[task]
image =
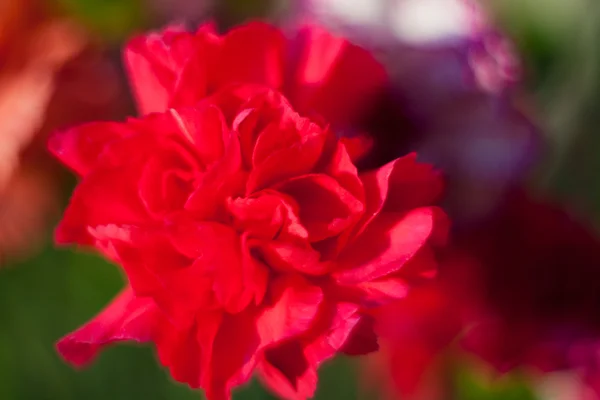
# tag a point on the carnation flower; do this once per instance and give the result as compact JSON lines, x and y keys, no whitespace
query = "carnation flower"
{"x":248,"y":236}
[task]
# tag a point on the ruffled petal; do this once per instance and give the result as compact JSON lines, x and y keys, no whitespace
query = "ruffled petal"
{"x":92,"y":205}
{"x":299,"y":158}
{"x":154,"y":62}
{"x":295,"y":306}
{"x":225,"y":179}
{"x":388,"y":243}
{"x":326,"y":208}
{"x":289,"y":369}
{"x":400,"y":185}
{"x":217,"y":251}
{"x":205,"y":127}
{"x":289,"y":257}
{"x":260,"y":48}
{"x":188,"y":352}
{"x":79,"y":148}
{"x":127,"y":318}
{"x":334,"y":77}
{"x":268,"y":215}
{"x":286,"y":371}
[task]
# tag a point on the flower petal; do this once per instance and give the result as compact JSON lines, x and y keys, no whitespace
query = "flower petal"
{"x":153,"y":63}
{"x":79,"y":148}
{"x":326,"y":208}
{"x":344,"y":171}
{"x":290,"y":368}
{"x":388,"y":243}
{"x":362,"y":339}
{"x":233,"y":357}
{"x":287,"y":257}
{"x":400,"y":185}
{"x":225,"y":179}
{"x":92,"y":205}
{"x":204,"y":125}
{"x":188,"y":352}
{"x":299,"y":158}
{"x":286,"y":371}
{"x":334,"y":77}
{"x":127,"y":318}
{"x":217,"y":251}
{"x":383,"y":291}
{"x":193,"y":82}
{"x":412,"y":184}
{"x":268,"y":215}
{"x":295,"y":306}
{"x":260,"y":48}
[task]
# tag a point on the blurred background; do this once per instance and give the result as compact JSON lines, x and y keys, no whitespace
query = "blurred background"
{"x":60,"y":65}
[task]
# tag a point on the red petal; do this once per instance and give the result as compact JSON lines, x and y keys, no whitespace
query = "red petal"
{"x":399,"y":186}
{"x":255,"y":273}
{"x":126,"y":318}
{"x":185,"y":292}
{"x":267,"y":215}
{"x":253,"y":53}
{"x":334,"y":77}
{"x":149,"y":136}
{"x":287,"y":257}
{"x":218,"y":253}
{"x":218,"y":278}
{"x":363,"y":339}
{"x":290,"y":368}
{"x":224,"y":179}
{"x":326,"y":208}
{"x":298,"y":159}
{"x":383,"y":291}
{"x":376,"y":186}
{"x":387,"y":244}
{"x":204,"y":126}
{"x":147,"y":255}
{"x":194,"y":76}
{"x":153,"y":63}
{"x":412,"y":184}
{"x":295,"y":306}
{"x":180,"y":351}
{"x":285,"y":127}
{"x":331,"y":332}
{"x":79,"y":148}
{"x":344,"y":171}
{"x":233,"y":358}
{"x":358,"y":146}
{"x":188,"y":352}
{"x":287,"y":373}
{"x":102,"y":198}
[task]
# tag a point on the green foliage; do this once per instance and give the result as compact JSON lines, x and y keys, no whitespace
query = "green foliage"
{"x":471,"y":384}
{"x":113,"y":20}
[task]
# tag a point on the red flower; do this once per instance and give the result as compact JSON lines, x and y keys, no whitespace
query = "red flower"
{"x":248,"y":237}
{"x":523,"y":290}
{"x":537,"y":268}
